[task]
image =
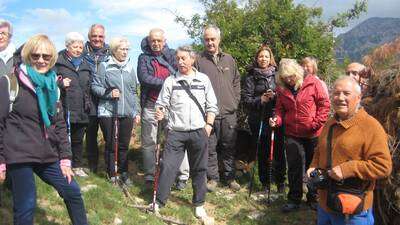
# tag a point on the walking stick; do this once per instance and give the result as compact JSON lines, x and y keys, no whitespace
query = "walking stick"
{"x":270,"y":160}
{"x":68,"y":114}
{"x":253,"y":169}
{"x":157,"y":159}
{"x":115,"y":139}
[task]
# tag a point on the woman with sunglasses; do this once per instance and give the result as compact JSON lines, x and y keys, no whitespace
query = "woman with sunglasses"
{"x":33,"y":135}
{"x":74,"y":72}
{"x":116,"y":86}
{"x":302,"y":107}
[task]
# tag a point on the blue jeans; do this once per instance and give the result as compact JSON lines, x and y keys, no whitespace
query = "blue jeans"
{"x":24,"y":191}
{"x":363,"y":218}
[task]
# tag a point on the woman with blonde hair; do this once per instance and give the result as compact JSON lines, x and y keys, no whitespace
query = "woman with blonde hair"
{"x":302,"y":107}
{"x":33,"y":135}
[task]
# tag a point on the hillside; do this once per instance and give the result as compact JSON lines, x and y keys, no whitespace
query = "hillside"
{"x":364,"y":37}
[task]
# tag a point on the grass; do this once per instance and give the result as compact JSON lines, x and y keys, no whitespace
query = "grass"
{"x":105,"y":204}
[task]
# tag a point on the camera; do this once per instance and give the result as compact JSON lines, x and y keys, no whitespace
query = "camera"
{"x":318,"y":179}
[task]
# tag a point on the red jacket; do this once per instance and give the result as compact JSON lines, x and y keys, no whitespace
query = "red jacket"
{"x":305,"y":114}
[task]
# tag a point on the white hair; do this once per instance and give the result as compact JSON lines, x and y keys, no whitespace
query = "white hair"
{"x":6,"y":23}
{"x":72,"y":37}
{"x":354,"y":83}
{"x":116,"y":42}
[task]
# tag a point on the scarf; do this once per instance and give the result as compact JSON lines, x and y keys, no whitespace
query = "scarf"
{"x":46,"y":92}
{"x":7,"y":53}
{"x":76,"y":61}
{"x":270,"y":71}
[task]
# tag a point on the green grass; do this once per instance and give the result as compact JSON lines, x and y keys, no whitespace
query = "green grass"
{"x":106,"y":202}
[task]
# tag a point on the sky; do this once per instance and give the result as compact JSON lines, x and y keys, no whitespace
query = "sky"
{"x":134,"y":18}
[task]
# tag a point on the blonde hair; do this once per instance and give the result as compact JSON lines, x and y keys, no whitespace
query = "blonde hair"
{"x":36,"y":42}
{"x":313,"y":62}
{"x":116,"y":42}
{"x":287,"y":68}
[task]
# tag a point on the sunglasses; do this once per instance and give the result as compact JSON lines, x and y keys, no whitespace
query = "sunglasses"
{"x":45,"y":57}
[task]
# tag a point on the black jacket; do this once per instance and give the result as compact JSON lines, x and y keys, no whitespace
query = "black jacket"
{"x":23,"y":137}
{"x":255,"y":84}
{"x":75,"y":98}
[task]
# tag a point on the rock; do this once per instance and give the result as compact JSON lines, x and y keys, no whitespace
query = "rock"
{"x":117,"y":221}
{"x":88,"y":187}
{"x":255,"y":215}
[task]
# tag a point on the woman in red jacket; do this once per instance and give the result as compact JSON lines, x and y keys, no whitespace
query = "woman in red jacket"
{"x":302,"y":107}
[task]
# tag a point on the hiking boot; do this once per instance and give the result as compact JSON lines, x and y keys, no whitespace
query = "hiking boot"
{"x":181,"y":184}
{"x":280,"y":188}
{"x":290,"y":207}
{"x":233,"y":185}
{"x":79,"y":172}
{"x":125,"y":179}
{"x":212,"y":185}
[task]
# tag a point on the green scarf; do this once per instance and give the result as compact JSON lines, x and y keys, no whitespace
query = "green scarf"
{"x":46,"y":92}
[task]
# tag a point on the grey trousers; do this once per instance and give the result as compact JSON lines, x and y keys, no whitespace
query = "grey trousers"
{"x":195,"y":143}
{"x":149,"y":138}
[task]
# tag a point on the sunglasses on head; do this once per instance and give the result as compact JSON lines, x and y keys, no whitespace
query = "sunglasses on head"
{"x":45,"y":57}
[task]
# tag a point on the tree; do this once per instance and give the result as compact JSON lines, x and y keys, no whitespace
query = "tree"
{"x":292,"y":31}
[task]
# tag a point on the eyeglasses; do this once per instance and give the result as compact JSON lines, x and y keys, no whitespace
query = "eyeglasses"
{"x":352,"y":72}
{"x":45,"y":57}
{"x":4,"y":34}
{"x":97,"y":36}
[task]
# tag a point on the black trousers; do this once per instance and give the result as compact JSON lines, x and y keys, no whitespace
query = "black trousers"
{"x":264,"y":147}
{"x":195,"y":142}
{"x":77,"y":133}
{"x":221,"y":148}
{"x":92,"y":148}
{"x":299,"y":153}
{"x":124,"y":137}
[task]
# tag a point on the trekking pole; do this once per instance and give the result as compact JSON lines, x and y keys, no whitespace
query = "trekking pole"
{"x":253,"y":169}
{"x":115,"y":139}
{"x":68,"y":116}
{"x":270,"y":160}
{"x":157,"y":159}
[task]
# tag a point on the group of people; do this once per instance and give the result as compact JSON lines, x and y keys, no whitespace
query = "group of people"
{"x":51,"y":100}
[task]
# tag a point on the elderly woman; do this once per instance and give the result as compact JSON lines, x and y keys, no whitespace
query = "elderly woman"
{"x":33,"y":136}
{"x":75,"y":94}
{"x":259,"y":98}
{"x":116,"y":86}
{"x":302,"y":107}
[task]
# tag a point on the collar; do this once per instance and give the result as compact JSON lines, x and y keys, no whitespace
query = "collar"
{"x":193,"y":76}
{"x":8,"y":52}
{"x":354,"y":120}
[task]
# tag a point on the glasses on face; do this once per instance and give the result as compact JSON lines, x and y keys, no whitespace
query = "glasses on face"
{"x":45,"y":57}
{"x":4,"y":34}
{"x":97,"y":36}
{"x":352,"y":72}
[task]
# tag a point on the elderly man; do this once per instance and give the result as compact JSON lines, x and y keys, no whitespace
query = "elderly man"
{"x":353,"y":150}
{"x":359,"y":73}
{"x":155,"y":64}
{"x":7,"y":49}
{"x":190,"y":102}
{"x":221,"y":68}
{"x":95,"y":52}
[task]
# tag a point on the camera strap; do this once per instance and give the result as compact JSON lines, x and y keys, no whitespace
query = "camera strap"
{"x":329,"y":147}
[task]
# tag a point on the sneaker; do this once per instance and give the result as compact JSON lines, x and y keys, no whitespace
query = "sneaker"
{"x":113,"y":179}
{"x":156,"y":208}
{"x":290,"y":207}
{"x":234,"y":185}
{"x":212,"y":185}
{"x":181,"y":184}
{"x":79,"y":172}
{"x":200,"y":212}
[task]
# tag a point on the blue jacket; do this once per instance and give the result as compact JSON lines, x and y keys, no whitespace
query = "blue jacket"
{"x":146,"y":71}
{"x":110,"y":76}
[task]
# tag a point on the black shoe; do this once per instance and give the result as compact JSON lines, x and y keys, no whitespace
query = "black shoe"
{"x":181,"y":184}
{"x":290,"y":207}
